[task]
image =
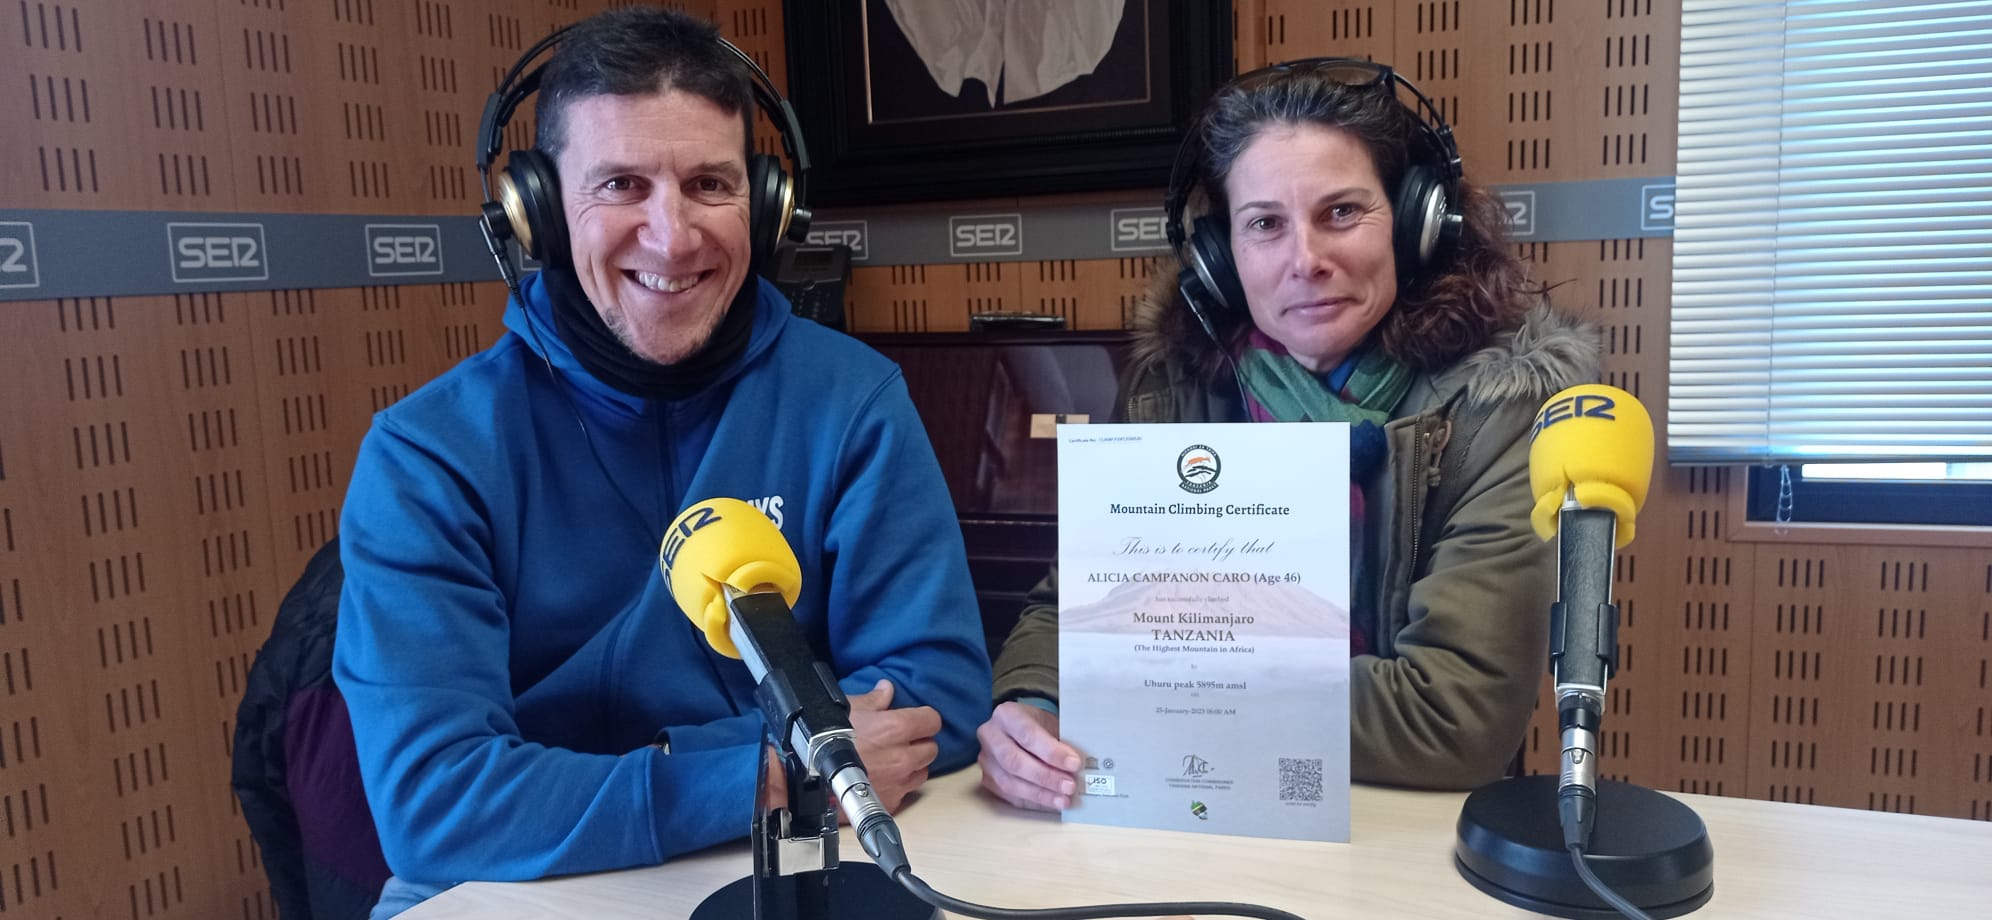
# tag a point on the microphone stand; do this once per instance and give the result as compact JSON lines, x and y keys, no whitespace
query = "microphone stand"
{"x":1648,"y":847}
{"x":796,"y":874}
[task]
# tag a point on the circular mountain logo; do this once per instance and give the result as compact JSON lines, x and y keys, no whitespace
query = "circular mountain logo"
{"x":1197,"y":467}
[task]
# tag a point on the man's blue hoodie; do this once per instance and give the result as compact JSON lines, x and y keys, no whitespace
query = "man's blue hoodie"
{"x":509,"y":651}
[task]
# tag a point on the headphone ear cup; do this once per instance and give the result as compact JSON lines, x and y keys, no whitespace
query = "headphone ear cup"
{"x":771,"y":205}
{"x":529,"y":192}
{"x":1422,"y":211}
{"x":1210,"y":259}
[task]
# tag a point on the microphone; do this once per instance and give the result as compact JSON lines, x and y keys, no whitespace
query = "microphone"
{"x":734,"y":575}
{"x":1590,"y":461}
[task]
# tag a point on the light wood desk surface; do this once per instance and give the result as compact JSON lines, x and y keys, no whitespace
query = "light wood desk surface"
{"x":1771,"y":860}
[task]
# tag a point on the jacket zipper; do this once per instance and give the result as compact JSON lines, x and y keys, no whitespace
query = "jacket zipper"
{"x":1415,"y":502}
{"x":1426,"y":454}
{"x":669,"y":495}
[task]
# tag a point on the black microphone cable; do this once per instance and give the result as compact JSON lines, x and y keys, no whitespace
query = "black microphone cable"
{"x":1575,"y":812}
{"x":1598,"y":887}
{"x":926,"y":893}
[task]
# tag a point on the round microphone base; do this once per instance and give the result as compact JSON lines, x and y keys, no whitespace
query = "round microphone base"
{"x":852,"y":891}
{"x":1648,"y":847}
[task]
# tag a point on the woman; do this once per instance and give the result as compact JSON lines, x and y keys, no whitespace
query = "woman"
{"x":1436,"y":350}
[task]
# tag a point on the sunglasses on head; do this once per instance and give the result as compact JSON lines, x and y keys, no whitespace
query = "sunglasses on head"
{"x":1354,"y":73}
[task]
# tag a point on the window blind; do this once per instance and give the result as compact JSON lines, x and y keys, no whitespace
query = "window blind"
{"x":1832,"y":286}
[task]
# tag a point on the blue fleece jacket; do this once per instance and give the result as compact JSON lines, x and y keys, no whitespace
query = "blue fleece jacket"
{"x":509,"y":650}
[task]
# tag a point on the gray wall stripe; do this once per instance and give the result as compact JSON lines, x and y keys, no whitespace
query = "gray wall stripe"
{"x":46,"y":254}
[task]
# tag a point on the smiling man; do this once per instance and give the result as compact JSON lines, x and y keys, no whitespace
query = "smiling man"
{"x":526,"y":698}
{"x":657,"y":214}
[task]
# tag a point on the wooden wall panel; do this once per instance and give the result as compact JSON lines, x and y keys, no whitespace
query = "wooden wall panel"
{"x":932,"y":298}
{"x":365,"y":158}
{"x":441,"y":94}
{"x":879,"y":295}
{"x":115,"y":123}
{"x":755,"y":27}
{"x":45,"y":683}
{"x":1309,"y":28}
{"x":1088,"y":293}
{"x":218,"y":539}
{"x":276,"y":108}
{"x":1872,"y":678}
{"x":1248,"y":34}
{"x":1977,"y":654}
{"x":143,"y":499}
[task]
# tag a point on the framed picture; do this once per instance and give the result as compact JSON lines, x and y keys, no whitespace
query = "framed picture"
{"x":913,"y":100}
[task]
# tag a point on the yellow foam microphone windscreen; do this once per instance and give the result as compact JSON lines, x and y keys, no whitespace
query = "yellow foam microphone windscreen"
{"x":725,"y":541}
{"x":1595,"y":442}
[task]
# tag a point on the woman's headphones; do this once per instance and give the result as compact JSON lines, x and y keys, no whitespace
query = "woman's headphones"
{"x":1425,"y":206}
{"x":527,"y":206}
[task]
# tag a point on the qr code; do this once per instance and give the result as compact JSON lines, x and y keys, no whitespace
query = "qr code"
{"x":1300,"y":779}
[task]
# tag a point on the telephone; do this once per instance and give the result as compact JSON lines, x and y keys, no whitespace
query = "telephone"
{"x":814,"y":278}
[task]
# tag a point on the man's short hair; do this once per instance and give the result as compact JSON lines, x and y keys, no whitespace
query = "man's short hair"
{"x":638,"y":51}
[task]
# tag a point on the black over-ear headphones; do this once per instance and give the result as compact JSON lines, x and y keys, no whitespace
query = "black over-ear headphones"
{"x":1425,"y":205}
{"x":527,"y":204}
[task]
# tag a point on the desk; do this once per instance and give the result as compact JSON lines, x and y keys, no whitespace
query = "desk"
{"x":1771,"y":860}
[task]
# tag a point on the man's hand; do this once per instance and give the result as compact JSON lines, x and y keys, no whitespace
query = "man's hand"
{"x":1023,"y":762}
{"x":897,"y":744}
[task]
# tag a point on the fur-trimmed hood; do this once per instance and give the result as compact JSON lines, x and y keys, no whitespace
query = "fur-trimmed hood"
{"x":1546,"y":351}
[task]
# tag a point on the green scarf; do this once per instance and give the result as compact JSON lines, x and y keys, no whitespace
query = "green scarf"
{"x":1366,"y":387}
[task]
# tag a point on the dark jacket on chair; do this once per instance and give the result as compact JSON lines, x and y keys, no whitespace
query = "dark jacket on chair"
{"x":294,"y":765}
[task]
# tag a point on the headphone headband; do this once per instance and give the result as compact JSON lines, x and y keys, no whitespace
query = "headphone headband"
{"x":506,"y":99}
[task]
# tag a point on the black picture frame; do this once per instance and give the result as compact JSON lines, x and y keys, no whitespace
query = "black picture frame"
{"x":880,"y":129}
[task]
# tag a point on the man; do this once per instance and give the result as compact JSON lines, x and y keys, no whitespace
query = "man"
{"x":526,"y":698}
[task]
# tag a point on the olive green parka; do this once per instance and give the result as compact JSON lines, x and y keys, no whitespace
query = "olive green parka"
{"x":1458,"y":611}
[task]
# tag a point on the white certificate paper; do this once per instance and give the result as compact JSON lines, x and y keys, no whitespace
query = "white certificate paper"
{"x":1203,"y":643}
